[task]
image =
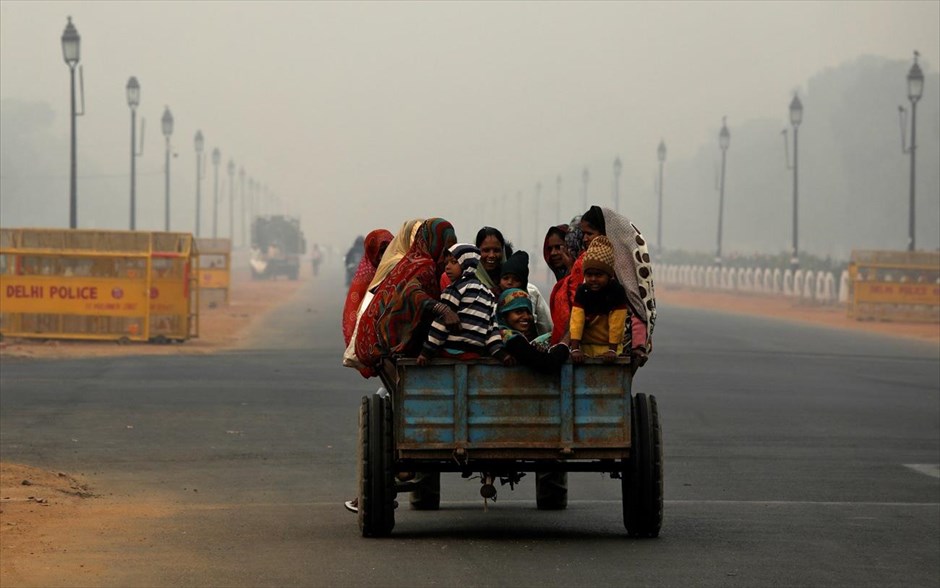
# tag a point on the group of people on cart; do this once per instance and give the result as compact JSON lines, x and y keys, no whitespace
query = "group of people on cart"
{"x":421,"y":293}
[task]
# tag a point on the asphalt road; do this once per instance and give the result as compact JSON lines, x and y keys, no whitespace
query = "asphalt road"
{"x":786,"y":455}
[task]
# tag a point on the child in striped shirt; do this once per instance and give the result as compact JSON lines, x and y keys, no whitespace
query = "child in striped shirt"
{"x":475,"y":305}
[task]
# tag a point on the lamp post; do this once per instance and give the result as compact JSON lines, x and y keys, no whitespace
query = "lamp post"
{"x":241,"y":177}
{"x":796,"y":117}
{"x":71,"y":52}
{"x":133,"y":101}
{"x":216,"y":158}
{"x":618,"y":169}
{"x":585,"y":175}
{"x":167,"y":125}
{"x":558,"y":195}
{"x":661,"y":155}
{"x":724,"y":138}
{"x":231,"y":200}
{"x":252,"y":200}
{"x":200,"y":145}
{"x":915,"y":89}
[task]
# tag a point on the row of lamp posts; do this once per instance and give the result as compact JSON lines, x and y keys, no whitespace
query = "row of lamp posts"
{"x":71,"y":53}
{"x":915,"y":89}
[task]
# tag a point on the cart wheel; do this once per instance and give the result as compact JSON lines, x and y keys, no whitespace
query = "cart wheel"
{"x":551,"y":490}
{"x":642,"y":480}
{"x":428,"y":494}
{"x":376,"y":485}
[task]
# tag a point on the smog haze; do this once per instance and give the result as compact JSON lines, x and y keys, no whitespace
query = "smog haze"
{"x":358,"y":116}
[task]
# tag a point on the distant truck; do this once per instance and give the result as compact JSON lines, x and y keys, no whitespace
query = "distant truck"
{"x":277,"y":243}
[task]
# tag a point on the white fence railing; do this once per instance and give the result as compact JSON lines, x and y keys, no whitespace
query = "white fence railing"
{"x":820,"y":287}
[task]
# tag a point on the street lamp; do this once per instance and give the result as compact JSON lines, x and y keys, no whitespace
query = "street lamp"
{"x":618,"y":169}
{"x":796,"y":117}
{"x":724,"y":139}
{"x":585,"y":175}
{"x":231,"y":200}
{"x":241,"y":177}
{"x":167,"y":124}
{"x":133,"y":101}
{"x":252,"y":203}
{"x":661,"y":155}
{"x":216,"y":158}
{"x":558,"y":196}
{"x":71,"y":52}
{"x":200,"y":145}
{"x":915,"y":89}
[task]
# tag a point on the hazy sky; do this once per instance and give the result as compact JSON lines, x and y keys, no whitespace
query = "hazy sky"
{"x":363,"y":114}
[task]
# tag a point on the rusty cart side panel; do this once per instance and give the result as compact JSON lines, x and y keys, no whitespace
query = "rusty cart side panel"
{"x":482,"y":409}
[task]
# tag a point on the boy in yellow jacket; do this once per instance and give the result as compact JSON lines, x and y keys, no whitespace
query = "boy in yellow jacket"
{"x":599,"y":314}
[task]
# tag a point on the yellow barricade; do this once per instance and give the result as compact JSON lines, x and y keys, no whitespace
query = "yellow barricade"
{"x":895,"y":286}
{"x":79,"y":284}
{"x":174,"y":287}
{"x":87,"y":284}
{"x":215,"y":270}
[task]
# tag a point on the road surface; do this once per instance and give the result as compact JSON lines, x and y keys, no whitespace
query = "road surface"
{"x":793,"y":456}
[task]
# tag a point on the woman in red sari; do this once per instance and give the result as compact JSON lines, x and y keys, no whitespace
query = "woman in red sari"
{"x":376,"y":243}
{"x":396,"y":319}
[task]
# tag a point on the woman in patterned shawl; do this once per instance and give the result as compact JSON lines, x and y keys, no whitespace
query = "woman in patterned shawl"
{"x":375,"y":244}
{"x":392,"y":323}
{"x":395,"y":251}
{"x":634,"y":272}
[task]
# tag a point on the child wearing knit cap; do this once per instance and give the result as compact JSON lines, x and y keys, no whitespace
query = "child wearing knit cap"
{"x":514,"y":273}
{"x":515,"y":321}
{"x":475,"y":306}
{"x":599,"y":313}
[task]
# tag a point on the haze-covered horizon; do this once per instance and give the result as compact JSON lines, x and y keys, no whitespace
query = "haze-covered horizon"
{"x":360,"y":115}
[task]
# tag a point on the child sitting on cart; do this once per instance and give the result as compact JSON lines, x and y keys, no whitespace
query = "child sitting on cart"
{"x":475,"y":306}
{"x":599,"y":313}
{"x":519,"y":334}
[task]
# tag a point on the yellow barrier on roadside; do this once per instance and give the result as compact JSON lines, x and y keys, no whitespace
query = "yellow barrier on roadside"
{"x":90,"y":284}
{"x":174,"y":287}
{"x":215,"y":270}
{"x":895,"y":286}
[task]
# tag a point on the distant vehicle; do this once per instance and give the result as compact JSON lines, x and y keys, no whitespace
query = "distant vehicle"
{"x":277,"y":245}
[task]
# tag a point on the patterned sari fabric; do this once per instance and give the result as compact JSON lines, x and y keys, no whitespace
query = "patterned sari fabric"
{"x":395,"y":251}
{"x":374,"y":243}
{"x":394,"y":316}
{"x":633,"y":268}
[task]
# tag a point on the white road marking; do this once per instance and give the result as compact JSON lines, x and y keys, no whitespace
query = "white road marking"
{"x":928,"y":469}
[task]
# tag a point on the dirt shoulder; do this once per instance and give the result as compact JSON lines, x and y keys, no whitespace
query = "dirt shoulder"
{"x":779,"y":307}
{"x":56,"y":530}
{"x":220,"y":328}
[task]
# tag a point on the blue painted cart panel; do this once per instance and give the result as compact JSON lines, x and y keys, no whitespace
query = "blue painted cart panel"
{"x":481,"y":404}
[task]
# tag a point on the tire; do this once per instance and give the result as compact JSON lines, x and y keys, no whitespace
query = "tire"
{"x":428,"y":494}
{"x":551,"y":490}
{"x":376,"y":483}
{"x":642,"y":479}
